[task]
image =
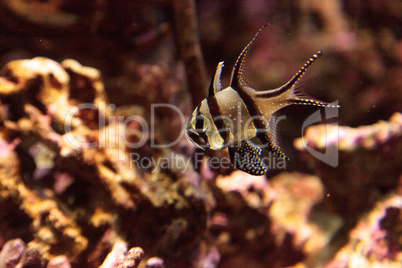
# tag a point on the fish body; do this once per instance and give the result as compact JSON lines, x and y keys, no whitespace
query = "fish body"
{"x":242,"y":118}
{"x":226,"y":120}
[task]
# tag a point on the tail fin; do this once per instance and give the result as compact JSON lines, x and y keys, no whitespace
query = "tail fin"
{"x":311,"y":101}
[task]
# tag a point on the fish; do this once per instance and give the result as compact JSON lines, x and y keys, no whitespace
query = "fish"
{"x":244,"y":119}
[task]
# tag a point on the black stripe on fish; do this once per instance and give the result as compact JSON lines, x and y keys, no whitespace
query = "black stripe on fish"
{"x":263,"y":132}
{"x":215,"y":112}
{"x":199,"y":119}
{"x":198,"y":135}
{"x":240,"y":86}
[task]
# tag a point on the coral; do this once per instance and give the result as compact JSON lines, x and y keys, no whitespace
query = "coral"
{"x":280,"y":211}
{"x":376,"y":239}
{"x":291,"y":212}
{"x":154,"y":262}
{"x":81,"y":179}
{"x":11,"y":253}
{"x":119,"y":257}
{"x":370,"y":160}
{"x":351,"y":139}
{"x":31,"y":256}
{"x":207,"y":256}
{"x":49,"y":223}
{"x":61,"y":137}
{"x":59,"y":262}
{"x":16,"y":254}
{"x":49,"y":13}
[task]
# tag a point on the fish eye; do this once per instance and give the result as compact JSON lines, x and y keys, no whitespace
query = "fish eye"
{"x":200,"y":123}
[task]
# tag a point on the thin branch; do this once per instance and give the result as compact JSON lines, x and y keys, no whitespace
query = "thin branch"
{"x":190,"y":48}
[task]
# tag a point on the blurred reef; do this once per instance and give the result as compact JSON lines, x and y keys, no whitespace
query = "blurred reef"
{"x":83,"y":182}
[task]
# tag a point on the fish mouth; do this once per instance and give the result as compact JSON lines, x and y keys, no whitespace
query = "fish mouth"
{"x":197,"y":139}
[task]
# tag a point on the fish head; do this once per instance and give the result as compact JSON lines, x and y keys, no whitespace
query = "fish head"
{"x":202,"y":130}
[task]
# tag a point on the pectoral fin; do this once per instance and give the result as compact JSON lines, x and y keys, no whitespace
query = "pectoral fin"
{"x":247,"y":156}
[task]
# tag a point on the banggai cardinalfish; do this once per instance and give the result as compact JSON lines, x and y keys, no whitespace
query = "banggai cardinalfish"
{"x":241,"y":118}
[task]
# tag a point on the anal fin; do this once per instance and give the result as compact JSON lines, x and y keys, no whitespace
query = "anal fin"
{"x":247,"y":157}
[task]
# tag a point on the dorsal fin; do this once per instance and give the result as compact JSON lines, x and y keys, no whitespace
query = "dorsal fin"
{"x":292,"y":82}
{"x":237,"y":81}
{"x":216,"y":85}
